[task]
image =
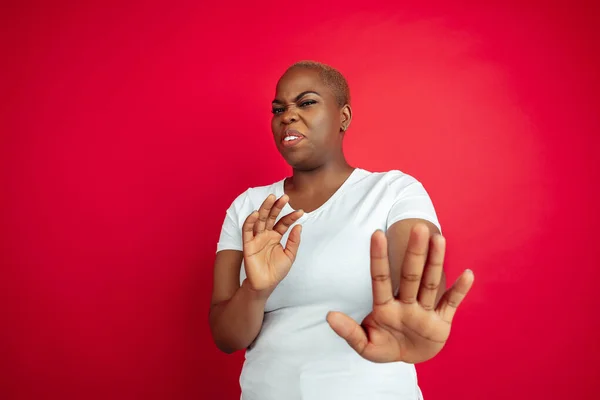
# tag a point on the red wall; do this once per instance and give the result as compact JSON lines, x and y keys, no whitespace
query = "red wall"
{"x":126,"y":131}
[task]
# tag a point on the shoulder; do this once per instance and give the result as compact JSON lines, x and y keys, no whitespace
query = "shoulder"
{"x":258,"y":194}
{"x":406,"y":198}
{"x":394,"y":180}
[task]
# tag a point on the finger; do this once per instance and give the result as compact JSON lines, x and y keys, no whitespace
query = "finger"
{"x":432,"y":276}
{"x":284,"y":223}
{"x":248,"y":227}
{"x":275,"y":210}
{"x":380,"y":270}
{"x":414,"y":261}
{"x":348,"y":330}
{"x":263,"y":214}
{"x":455,"y":295}
{"x":293,"y":242}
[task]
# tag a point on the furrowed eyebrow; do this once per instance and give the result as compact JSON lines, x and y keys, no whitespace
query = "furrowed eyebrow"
{"x":298,"y":97}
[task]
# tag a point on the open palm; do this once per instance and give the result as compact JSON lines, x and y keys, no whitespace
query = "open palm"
{"x":409,"y":327}
{"x":266,"y":261}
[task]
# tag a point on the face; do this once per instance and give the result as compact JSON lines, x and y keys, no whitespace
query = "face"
{"x":307,"y":120}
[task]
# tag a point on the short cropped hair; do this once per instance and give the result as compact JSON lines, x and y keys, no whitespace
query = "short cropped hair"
{"x":331,"y":77}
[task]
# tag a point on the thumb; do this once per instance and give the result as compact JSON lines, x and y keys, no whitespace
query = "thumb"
{"x":348,"y":330}
{"x":293,"y":242}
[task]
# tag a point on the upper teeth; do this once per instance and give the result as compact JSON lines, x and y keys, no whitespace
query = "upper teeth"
{"x":288,"y":138}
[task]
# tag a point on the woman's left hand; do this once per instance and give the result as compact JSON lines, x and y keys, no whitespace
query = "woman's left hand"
{"x":409,"y":327}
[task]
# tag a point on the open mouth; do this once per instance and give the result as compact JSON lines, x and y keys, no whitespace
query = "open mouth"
{"x":291,"y":138}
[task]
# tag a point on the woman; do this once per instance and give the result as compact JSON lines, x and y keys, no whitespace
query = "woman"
{"x":300,"y":261}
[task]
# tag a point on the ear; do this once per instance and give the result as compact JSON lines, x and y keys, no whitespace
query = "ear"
{"x":345,"y":117}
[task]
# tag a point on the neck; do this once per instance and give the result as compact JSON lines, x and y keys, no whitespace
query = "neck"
{"x":325,"y":177}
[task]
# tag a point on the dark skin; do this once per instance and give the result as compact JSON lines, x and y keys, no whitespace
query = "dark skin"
{"x":318,"y":161}
{"x":412,"y":325}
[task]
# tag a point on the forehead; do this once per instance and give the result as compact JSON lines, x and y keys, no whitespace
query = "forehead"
{"x":298,"y":80}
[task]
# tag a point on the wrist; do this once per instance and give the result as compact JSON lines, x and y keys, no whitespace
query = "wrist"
{"x":259,"y":295}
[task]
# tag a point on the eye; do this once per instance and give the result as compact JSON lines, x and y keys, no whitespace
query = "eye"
{"x":277,"y":110}
{"x":307,"y":103}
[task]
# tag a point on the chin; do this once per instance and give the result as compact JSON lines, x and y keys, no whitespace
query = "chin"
{"x":302,"y":165}
{"x":299,"y":161}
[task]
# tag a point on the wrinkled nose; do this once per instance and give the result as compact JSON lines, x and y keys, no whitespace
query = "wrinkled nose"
{"x":289,"y":116}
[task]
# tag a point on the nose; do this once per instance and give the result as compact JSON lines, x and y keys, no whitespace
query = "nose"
{"x":289,"y":116}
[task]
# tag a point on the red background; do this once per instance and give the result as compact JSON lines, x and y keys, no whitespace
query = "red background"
{"x":126,"y":132}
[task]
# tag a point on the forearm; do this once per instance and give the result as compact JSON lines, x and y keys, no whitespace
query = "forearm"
{"x":235,"y":323}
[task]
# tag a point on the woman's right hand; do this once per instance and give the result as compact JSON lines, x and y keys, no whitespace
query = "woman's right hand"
{"x":266,"y":262}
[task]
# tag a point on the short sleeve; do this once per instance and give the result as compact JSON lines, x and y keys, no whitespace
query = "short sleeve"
{"x":413,"y":201}
{"x":231,"y":231}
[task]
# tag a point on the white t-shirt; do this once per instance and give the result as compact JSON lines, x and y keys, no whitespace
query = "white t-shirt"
{"x":297,"y":355}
